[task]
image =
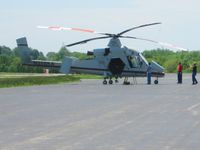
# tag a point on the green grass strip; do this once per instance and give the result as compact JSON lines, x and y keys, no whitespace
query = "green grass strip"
{"x":36,"y":80}
{"x":87,"y":76}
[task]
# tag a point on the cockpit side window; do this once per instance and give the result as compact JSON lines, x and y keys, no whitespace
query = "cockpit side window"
{"x":132,"y":61}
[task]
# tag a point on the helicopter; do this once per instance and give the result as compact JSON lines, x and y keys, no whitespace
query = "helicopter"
{"x":114,"y":61}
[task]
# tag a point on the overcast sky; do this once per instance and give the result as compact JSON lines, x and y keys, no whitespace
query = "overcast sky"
{"x":180,"y":22}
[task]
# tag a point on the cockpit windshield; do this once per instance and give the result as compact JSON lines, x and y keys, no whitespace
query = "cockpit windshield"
{"x":146,"y":62}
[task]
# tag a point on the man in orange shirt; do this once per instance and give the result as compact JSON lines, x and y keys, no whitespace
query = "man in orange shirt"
{"x":179,"y":71}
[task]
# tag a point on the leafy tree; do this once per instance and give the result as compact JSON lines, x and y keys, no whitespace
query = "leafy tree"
{"x":11,"y":60}
{"x":63,"y":52}
{"x":79,"y":55}
{"x":34,"y":54}
{"x":52,"y":56}
{"x":5,"y":51}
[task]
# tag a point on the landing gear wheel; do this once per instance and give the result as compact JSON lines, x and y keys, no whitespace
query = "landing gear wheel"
{"x":110,"y":81}
{"x":104,"y":82}
{"x":156,"y":82}
{"x":116,"y":79}
{"x":127,"y":83}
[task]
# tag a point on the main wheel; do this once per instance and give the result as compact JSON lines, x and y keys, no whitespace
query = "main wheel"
{"x":110,"y":81}
{"x":126,"y":83}
{"x":104,"y":82}
{"x":156,"y":82}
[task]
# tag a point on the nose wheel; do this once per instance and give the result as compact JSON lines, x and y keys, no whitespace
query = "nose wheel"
{"x":155,"y":81}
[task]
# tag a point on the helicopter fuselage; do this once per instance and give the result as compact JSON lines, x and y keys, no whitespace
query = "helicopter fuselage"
{"x":113,"y":62}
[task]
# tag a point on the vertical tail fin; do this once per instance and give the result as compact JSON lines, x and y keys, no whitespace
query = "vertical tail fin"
{"x":66,"y":65}
{"x":22,"y":42}
{"x":23,"y":51}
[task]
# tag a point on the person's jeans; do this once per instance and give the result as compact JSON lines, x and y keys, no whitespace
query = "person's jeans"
{"x":148,"y":78}
{"x":179,"y":77}
{"x":194,"y":80}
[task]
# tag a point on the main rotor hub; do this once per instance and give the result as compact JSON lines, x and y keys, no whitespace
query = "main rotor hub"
{"x":114,"y":42}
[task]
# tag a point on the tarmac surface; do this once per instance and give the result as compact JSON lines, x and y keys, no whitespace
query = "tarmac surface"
{"x":92,"y":116}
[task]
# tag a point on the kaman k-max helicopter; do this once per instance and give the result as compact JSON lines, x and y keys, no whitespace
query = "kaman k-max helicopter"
{"x":114,"y":61}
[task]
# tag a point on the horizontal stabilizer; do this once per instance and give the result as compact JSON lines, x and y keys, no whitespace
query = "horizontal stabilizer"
{"x":44,"y":64}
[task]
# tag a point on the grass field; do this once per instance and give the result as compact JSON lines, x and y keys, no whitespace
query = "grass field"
{"x":29,"y":79}
{"x":88,"y":76}
{"x":19,"y":75}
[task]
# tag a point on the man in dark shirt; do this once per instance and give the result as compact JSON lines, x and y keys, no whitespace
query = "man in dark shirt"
{"x":194,"y":72}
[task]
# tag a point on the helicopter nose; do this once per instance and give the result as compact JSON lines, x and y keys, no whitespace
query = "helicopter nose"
{"x":155,"y":66}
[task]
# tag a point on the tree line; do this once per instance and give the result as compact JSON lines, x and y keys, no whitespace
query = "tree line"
{"x":11,"y":59}
{"x":170,"y":59}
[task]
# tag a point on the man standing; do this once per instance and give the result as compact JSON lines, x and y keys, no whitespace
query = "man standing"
{"x":194,"y":72}
{"x":179,"y":70}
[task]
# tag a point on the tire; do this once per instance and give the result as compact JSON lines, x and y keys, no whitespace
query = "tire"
{"x":104,"y":82}
{"x":156,"y":82}
{"x":110,"y":81}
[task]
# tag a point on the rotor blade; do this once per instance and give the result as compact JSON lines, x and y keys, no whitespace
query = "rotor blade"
{"x":141,"y":26}
{"x":87,"y":40}
{"x":172,"y":46}
{"x":157,"y":42}
{"x":136,"y":38}
{"x":59,"y":28}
